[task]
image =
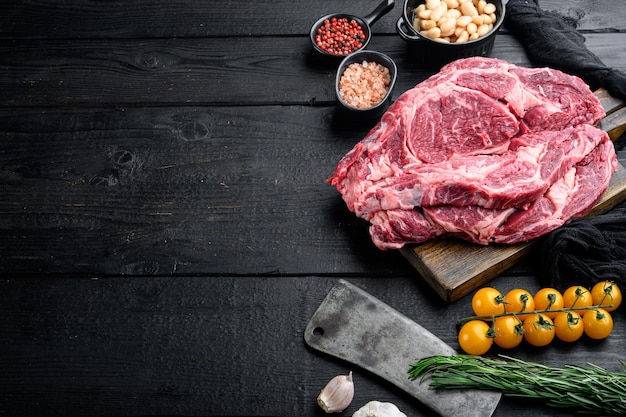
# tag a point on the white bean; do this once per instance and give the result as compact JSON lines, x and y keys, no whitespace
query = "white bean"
{"x":464,"y":21}
{"x":438,"y":12}
{"x":483,"y":30}
{"x":462,"y":37}
{"x":428,"y":24}
{"x":489,"y":8}
{"x":468,"y":9}
{"x":486,"y":18}
{"x":425,"y":14}
{"x":432,"y":4}
{"x":433,"y":33}
{"x":448,"y":26}
{"x":481,"y":6}
{"x":456,"y":13}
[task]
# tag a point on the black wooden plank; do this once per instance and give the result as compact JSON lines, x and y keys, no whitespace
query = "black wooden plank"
{"x":214,"y":346}
{"x":191,"y":72}
{"x":49,"y":19}
{"x":160,"y":191}
{"x":162,"y":71}
{"x":178,"y":18}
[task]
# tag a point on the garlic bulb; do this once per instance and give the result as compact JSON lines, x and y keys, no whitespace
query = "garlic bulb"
{"x":337,"y":394}
{"x":378,"y":409}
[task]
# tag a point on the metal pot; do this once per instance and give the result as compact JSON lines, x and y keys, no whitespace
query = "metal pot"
{"x":433,"y":53}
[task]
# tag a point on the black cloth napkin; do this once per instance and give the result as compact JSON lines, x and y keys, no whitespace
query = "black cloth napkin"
{"x":551,"y":39}
{"x":586,"y":251}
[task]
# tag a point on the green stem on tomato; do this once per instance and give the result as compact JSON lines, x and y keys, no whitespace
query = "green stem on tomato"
{"x":515,"y":313}
{"x":607,"y":293}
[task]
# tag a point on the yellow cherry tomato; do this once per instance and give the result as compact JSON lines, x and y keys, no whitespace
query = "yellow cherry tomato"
{"x":598,"y":323}
{"x":475,"y":337}
{"x":509,"y":331}
{"x":606,"y":293}
{"x":577,"y":296}
{"x":518,"y":301}
{"x":548,"y":299}
{"x":568,"y":326}
{"x":538,"y":329}
{"x":487,"y":301}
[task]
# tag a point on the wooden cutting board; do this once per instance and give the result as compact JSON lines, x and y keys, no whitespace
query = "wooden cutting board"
{"x":454,"y":268}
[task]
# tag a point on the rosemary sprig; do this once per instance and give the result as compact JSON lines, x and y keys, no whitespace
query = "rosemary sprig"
{"x":588,"y":389}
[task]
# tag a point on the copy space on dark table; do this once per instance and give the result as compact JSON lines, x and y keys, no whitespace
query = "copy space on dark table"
{"x":166,"y":228}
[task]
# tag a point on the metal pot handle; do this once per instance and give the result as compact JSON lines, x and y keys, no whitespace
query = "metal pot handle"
{"x":381,"y":10}
{"x":400,"y":29}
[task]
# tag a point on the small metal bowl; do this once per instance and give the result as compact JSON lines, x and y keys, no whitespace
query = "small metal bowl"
{"x":365,"y":23}
{"x":378,"y":109}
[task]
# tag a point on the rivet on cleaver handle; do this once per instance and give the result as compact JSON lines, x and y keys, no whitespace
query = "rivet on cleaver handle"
{"x":352,"y":325}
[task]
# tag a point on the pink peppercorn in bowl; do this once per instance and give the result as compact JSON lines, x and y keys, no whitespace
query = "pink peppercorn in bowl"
{"x":364,"y":84}
{"x":338,"y":35}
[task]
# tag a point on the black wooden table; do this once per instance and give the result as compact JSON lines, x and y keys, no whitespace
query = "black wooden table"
{"x":166,"y":231}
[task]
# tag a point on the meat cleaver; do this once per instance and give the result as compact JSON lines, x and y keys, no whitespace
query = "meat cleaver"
{"x":352,"y":325}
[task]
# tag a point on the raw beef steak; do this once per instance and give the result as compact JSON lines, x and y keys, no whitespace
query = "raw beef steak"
{"x":483,"y":150}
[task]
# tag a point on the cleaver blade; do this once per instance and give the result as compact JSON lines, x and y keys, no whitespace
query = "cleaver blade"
{"x":352,"y":325}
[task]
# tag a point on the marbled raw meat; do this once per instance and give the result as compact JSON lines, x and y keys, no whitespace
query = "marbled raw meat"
{"x":483,"y":150}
